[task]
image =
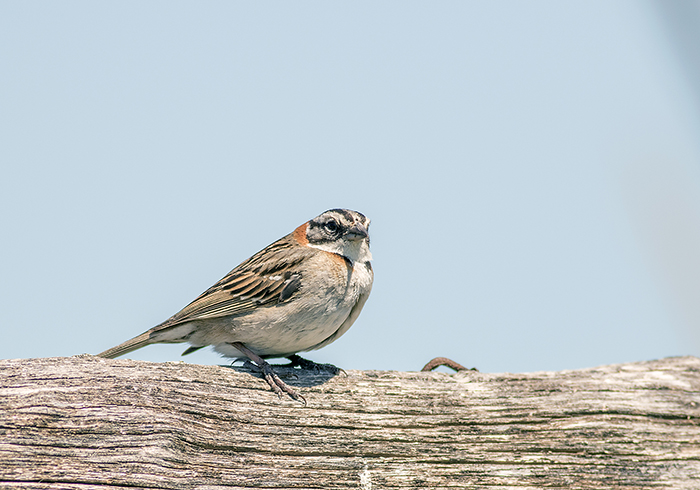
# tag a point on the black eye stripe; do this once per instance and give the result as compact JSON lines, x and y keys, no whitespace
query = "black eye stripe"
{"x":322,"y":225}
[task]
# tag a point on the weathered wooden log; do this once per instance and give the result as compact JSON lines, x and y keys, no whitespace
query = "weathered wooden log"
{"x":85,"y":422}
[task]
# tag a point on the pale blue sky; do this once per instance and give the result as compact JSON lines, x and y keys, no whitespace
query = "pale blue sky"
{"x":530,"y":169}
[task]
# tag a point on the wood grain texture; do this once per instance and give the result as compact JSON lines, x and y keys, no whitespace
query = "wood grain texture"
{"x":85,"y":422}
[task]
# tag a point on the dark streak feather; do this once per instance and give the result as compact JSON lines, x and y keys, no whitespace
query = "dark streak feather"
{"x":291,"y":286}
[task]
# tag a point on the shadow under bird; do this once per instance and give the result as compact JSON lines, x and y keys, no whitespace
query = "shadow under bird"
{"x":298,"y":294}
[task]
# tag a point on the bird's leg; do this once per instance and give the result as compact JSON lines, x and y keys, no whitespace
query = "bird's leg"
{"x":277,"y":385}
{"x":296,"y":360}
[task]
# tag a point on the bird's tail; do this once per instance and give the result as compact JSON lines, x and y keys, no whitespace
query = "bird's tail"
{"x":129,"y":346}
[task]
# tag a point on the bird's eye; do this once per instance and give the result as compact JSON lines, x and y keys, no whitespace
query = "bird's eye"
{"x":331,"y":226}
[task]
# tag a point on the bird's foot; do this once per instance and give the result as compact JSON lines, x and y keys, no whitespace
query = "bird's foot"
{"x":277,"y":385}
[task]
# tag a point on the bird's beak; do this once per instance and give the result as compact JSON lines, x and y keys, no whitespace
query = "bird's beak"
{"x":357,"y":232}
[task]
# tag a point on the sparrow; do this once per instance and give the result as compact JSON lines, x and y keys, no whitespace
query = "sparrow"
{"x":298,"y":294}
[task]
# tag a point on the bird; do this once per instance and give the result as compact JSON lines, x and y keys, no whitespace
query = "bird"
{"x":298,"y":294}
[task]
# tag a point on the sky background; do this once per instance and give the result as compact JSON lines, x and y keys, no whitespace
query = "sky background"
{"x":532,"y":172}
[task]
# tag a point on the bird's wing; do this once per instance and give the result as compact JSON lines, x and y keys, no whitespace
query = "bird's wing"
{"x":269,"y":277}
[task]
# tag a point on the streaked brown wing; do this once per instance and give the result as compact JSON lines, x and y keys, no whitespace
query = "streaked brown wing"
{"x":267,"y":278}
